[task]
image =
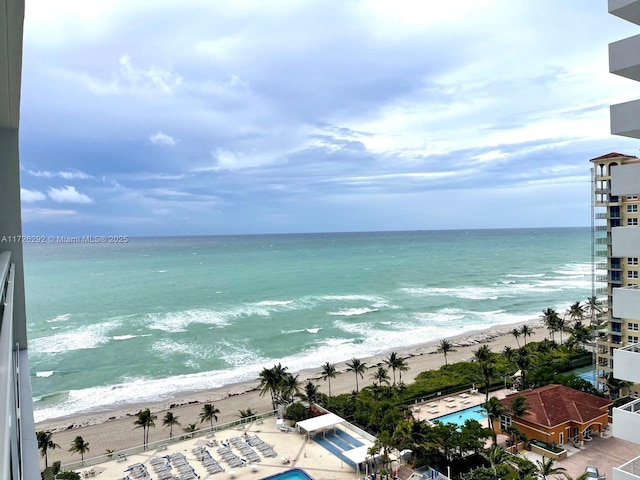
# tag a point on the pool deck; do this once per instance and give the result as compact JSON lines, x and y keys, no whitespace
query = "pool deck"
{"x":293,"y":450}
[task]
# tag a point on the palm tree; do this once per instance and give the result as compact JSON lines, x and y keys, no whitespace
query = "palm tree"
{"x":496,"y":456}
{"x":494,"y":409}
{"x":192,"y":427}
{"x":445,"y":347}
{"x":381,"y":376}
{"x":401,"y":366}
{"x":145,"y":421}
{"x":170,"y":420}
{"x":516,"y":334}
{"x":271,"y":381}
{"x":523,"y":361}
{"x":519,"y":406}
{"x":208,"y":413}
{"x":550,"y":318}
{"x":484,"y":357}
{"x":575,"y":311}
{"x":289,"y":388}
{"x":392,"y":362}
{"x":80,"y":446}
{"x":328,"y":372}
{"x":310,"y":395}
{"x":593,"y":307}
{"x":545,"y":468}
{"x":508,"y":353}
{"x":358,"y":367}
{"x":526,"y":331}
{"x":561,"y":326}
{"x":44,"y":444}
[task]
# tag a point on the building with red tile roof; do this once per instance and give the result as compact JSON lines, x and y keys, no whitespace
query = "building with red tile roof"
{"x":558,"y":414}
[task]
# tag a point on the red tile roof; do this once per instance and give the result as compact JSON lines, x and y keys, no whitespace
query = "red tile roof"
{"x":611,"y":155}
{"x":553,"y":405}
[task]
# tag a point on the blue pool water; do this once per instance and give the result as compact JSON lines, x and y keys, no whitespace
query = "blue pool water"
{"x":293,"y":474}
{"x":589,"y":376}
{"x":471,"y":413}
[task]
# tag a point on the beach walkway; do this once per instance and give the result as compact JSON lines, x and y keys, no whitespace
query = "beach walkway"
{"x":274,"y":451}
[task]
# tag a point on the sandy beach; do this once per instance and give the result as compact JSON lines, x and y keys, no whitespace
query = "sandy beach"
{"x":114,"y":430}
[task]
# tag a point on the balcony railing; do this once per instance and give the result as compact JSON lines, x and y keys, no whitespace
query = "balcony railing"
{"x":629,"y":470}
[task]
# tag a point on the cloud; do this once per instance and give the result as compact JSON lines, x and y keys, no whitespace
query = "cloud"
{"x":160,"y":138}
{"x":68,"y":175}
{"x":68,"y":194}
{"x":30,"y":196}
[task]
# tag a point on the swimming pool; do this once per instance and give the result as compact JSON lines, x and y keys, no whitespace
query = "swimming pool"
{"x":471,"y":413}
{"x":293,"y":474}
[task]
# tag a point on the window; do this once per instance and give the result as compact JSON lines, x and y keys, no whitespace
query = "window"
{"x":632,"y":274}
{"x":633,"y":327}
{"x":632,"y":221}
{"x":632,"y":261}
{"x":632,"y":208}
{"x":631,"y":340}
{"x":505,"y":422}
{"x":632,"y":197}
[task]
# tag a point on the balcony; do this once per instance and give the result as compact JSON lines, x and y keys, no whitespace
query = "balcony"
{"x":624,"y":58}
{"x":626,"y":242}
{"x":625,"y":178}
{"x":18,"y":447}
{"x":626,"y":420}
{"x":628,"y":471}
{"x":626,"y":361}
{"x":628,"y":10}
{"x":626,"y":302}
{"x":625,"y":119}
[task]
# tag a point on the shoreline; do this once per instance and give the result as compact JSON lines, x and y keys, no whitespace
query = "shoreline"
{"x":113,"y":428}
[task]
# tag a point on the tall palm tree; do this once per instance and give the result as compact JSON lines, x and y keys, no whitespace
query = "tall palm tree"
{"x":145,"y":421}
{"x":550,"y":318}
{"x":526,"y":331}
{"x":271,"y":381}
{"x":402,"y":366}
{"x":518,"y":406}
{"x":508,"y":353}
{"x":170,"y":420}
{"x":523,"y":361}
{"x":494,"y":410}
{"x":516,"y":334}
{"x":328,"y":372}
{"x":392,"y":362}
{"x":289,"y":388}
{"x":593,"y":307}
{"x":561,"y":326}
{"x":545,"y":468}
{"x":79,"y":446}
{"x":209,"y":413}
{"x":445,"y":347}
{"x":45,"y":443}
{"x":484,"y":357}
{"x":496,"y":456}
{"x":358,"y":367}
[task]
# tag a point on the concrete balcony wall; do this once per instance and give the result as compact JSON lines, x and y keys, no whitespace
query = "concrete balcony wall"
{"x":628,"y":10}
{"x":626,"y":361}
{"x":626,"y":421}
{"x":628,"y":471}
{"x":626,"y":304}
{"x":625,"y":242}
{"x":625,"y":179}
{"x":625,"y":119}
{"x":624,"y":58}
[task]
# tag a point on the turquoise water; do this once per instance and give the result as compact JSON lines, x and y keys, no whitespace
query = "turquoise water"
{"x":471,"y":413}
{"x":112,"y":324}
{"x":293,"y":474}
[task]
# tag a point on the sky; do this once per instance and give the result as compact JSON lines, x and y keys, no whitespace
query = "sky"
{"x":186,"y":117}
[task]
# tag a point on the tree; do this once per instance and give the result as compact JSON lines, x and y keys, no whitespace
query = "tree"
{"x":484,"y":357}
{"x":516,"y":334}
{"x":508,"y":353}
{"x":289,"y":388}
{"x":575,"y":311}
{"x":145,"y":421}
{"x":526,"y":332}
{"x":358,"y":367}
{"x":44,"y":444}
{"x":402,"y":366}
{"x":518,"y":406}
{"x":170,"y":420}
{"x":79,"y":446}
{"x":192,"y":427}
{"x":561,"y":326}
{"x":523,"y":361}
{"x":593,"y":307}
{"x":310,"y":395}
{"x":328,"y":372}
{"x":545,"y":468}
{"x":208,"y":413}
{"x":271,"y":381}
{"x":381,"y":376}
{"x":392,"y":362}
{"x":445,"y":347}
{"x":550,"y":318}
{"x":495,"y":410}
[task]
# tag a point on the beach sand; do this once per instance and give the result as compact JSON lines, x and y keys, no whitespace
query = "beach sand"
{"x":114,"y":430}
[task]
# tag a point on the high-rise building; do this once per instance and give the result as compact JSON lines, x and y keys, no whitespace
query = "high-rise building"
{"x":18,"y":446}
{"x":616,"y":193}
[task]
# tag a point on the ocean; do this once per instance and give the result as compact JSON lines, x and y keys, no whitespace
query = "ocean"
{"x":116,"y":324}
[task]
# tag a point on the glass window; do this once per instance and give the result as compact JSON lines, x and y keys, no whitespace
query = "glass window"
{"x":633,"y":327}
{"x":632,"y":261}
{"x":632,"y":274}
{"x":631,"y":339}
{"x":632,"y":221}
{"x":632,"y":208}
